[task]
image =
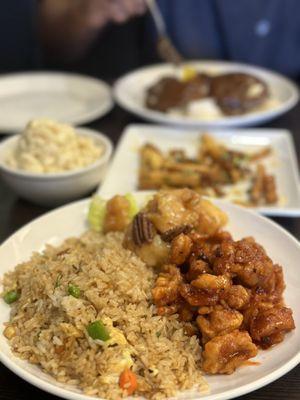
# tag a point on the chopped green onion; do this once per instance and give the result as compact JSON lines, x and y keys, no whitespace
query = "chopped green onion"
{"x":158,"y":334}
{"x":57,"y":282}
{"x":97,"y":330}
{"x":189,"y":172}
{"x":133,"y":209}
{"x":225,"y":156}
{"x":11,"y":296}
{"x":96,"y":214}
{"x":74,"y":290}
{"x":237,"y":161}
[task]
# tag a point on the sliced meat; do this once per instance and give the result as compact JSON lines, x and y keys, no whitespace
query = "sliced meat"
{"x":237,"y":297}
{"x":174,"y":208}
{"x":166,"y":290}
{"x":223,"y":354}
{"x":219,"y":322}
{"x":164,"y":94}
{"x":196,"y":88}
{"x":170,"y":92}
{"x":238,"y":93}
{"x":266,"y":325}
{"x":199,"y":297}
{"x":213,"y":282}
{"x":205,"y":249}
{"x":180,"y":249}
{"x":196,"y":268}
{"x":245,"y":260}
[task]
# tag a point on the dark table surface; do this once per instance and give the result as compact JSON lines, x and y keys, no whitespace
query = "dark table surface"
{"x":15,"y":212}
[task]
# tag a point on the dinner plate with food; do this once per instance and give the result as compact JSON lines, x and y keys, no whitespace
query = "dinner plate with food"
{"x":256,"y":168}
{"x":70,"y":98}
{"x":153,"y":296}
{"x":206,"y":94}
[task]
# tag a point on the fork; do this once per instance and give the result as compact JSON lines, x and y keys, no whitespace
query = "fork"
{"x":165,"y":47}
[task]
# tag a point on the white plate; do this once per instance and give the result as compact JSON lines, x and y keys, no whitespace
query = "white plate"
{"x":283,"y":163}
{"x":70,"y":220}
{"x":129,"y":92}
{"x":70,"y":98}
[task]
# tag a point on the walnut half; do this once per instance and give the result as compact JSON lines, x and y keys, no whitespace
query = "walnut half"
{"x":171,"y":234}
{"x":143,"y":230}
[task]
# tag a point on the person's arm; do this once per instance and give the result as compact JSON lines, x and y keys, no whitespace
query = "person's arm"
{"x":68,"y":27}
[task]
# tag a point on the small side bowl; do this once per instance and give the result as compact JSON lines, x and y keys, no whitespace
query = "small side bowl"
{"x":56,"y":188}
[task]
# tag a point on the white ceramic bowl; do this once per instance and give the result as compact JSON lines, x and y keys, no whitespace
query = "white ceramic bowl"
{"x":56,"y":188}
{"x":71,"y":220}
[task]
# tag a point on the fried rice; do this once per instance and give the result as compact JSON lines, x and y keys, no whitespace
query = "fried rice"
{"x":48,"y":327}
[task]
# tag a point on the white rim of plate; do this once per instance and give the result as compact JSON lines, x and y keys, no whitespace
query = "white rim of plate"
{"x":90,"y":115}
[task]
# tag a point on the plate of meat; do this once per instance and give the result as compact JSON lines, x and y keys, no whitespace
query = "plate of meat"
{"x":206,"y":94}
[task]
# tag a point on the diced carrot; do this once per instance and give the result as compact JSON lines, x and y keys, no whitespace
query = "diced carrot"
{"x":128,"y":381}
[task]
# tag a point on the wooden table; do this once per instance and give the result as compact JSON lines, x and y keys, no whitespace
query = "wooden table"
{"x":15,"y":212}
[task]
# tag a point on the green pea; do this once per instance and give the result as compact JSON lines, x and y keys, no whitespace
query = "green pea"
{"x":74,"y":290}
{"x":11,"y":296}
{"x":97,"y":330}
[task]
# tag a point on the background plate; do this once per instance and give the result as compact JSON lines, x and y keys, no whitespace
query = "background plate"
{"x":129,"y":92}
{"x":284,"y":165}
{"x":69,"y":98}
